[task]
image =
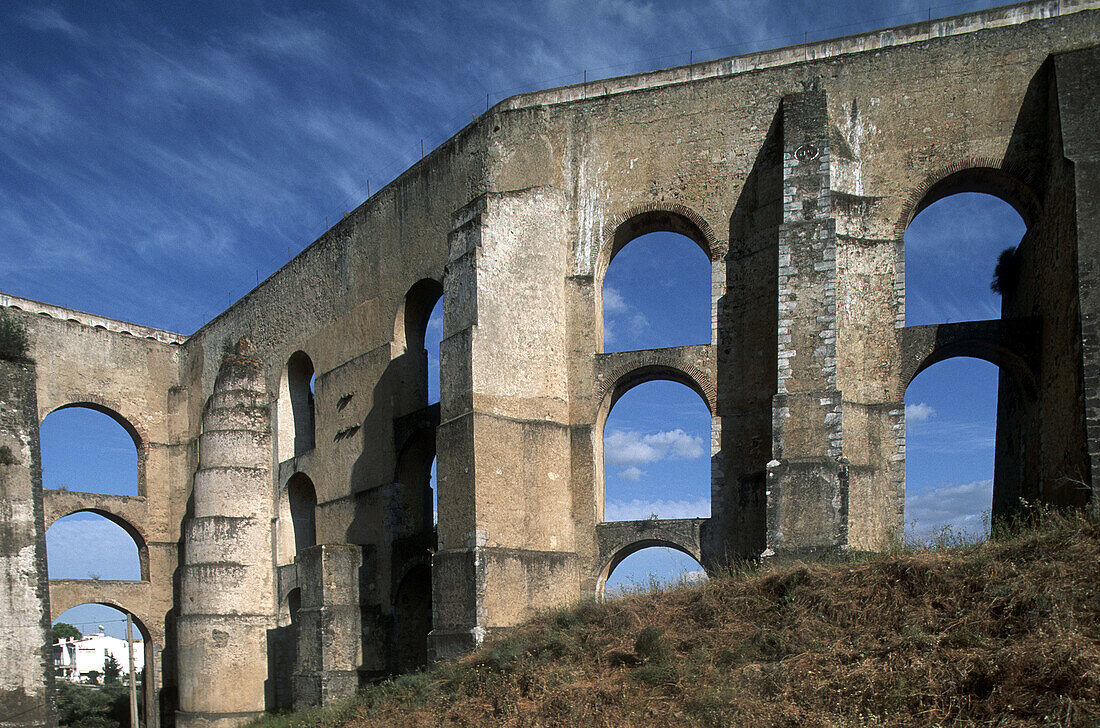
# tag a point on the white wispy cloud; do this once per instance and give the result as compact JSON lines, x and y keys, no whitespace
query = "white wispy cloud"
{"x":627,"y":447}
{"x":44,"y":18}
{"x":633,"y":473}
{"x":613,"y":302}
{"x":962,"y":506}
{"x":919,"y":412}
{"x":641,"y":509}
{"x":637,"y":324}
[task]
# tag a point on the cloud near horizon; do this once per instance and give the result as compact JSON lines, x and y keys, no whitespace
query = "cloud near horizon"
{"x":630,"y":448}
{"x":961,"y":506}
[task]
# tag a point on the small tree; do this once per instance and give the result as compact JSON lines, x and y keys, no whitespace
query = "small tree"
{"x":111,"y":668}
{"x":65,"y":631}
{"x":92,"y":677}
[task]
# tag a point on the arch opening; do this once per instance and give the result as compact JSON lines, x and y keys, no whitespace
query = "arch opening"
{"x":418,"y":331}
{"x":656,"y":289}
{"x":296,"y":410}
{"x":416,"y":475}
{"x":649,"y":565}
{"x":655,"y":449}
{"x":95,"y":545}
{"x":88,"y":683}
{"x":950,"y":432}
{"x":302,"y":502}
{"x":91,"y":449}
{"x":959,"y":258}
{"x":412,"y":612}
{"x":284,"y":646}
{"x":952,"y":248}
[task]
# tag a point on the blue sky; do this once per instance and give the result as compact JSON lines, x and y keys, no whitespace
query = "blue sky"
{"x":157,"y":159}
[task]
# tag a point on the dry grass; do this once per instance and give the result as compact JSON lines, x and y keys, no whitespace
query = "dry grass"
{"x":1005,"y":633}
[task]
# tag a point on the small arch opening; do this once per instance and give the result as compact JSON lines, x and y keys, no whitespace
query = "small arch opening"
{"x":284,"y":655}
{"x":91,"y":449}
{"x":416,"y":474}
{"x":656,"y":454}
{"x":650,"y":568}
{"x":418,"y":330}
{"x":296,"y":410}
{"x":95,"y":546}
{"x":302,"y":502}
{"x":656,"y":293}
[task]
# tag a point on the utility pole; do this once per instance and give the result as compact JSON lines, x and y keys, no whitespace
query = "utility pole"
{"x":133,"y":687}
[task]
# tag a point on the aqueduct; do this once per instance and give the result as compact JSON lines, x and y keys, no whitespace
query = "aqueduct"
{"x":284,"y":513}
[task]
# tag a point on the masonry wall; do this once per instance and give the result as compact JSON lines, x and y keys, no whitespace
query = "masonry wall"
{"x":26,"y":681}
{"x":795,"y":171}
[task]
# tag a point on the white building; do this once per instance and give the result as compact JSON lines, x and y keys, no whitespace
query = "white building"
{"x":73,"y":659}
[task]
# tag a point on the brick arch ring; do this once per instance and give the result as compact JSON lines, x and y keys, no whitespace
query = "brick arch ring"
{"x":973,"y":174}
{"x":654,"y":217}
{"x":655,"y":365}
{"x":610,"y":562}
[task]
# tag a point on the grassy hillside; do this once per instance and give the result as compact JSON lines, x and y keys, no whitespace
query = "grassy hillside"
{"x":1004,"y":633}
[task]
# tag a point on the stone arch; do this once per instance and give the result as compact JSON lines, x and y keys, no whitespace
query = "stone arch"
{"x":652,"y":218}
{"x":987,"y":176}
{"x":296,"y":411}
{"x":411,"y":320}
{"x":629,"y":549}
{"x":650,"y":367}
{"x":111,"y":409}
{"x":131,"y":529}
{"x":994,"y":352}
{"x":140,"y":622}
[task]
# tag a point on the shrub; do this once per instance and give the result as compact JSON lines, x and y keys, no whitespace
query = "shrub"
{"x":13,"y":338}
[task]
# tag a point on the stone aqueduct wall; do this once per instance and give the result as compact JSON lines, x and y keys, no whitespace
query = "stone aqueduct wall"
{"x":796,"y":171}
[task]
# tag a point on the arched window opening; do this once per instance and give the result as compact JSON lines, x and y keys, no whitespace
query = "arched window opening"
{"x":951,"y":252}
{"x":302,"y":498}
{"x":90,"y":546}
{"x":656,"y":454}
{"x":950,"y":438}
{"x":419,"y":328}
{"x":89,"y":450}
{"x":654,"y":567}
{"x":412,"y":611}
{"x":296,"y":409}
{"x":656,"y":294}
{"x":416,"y":474}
